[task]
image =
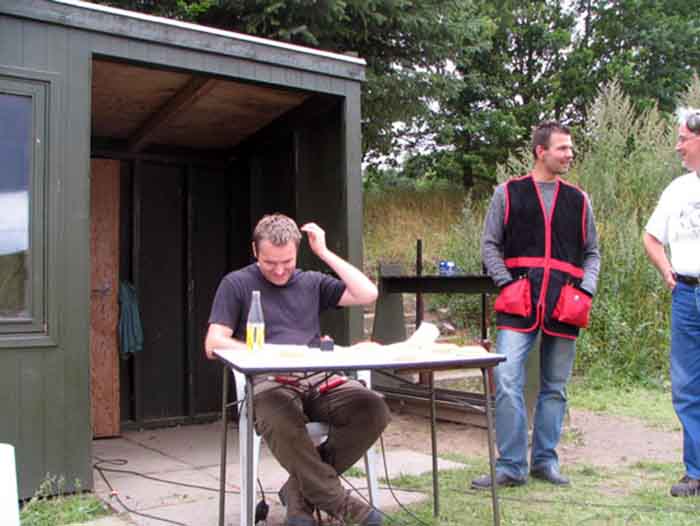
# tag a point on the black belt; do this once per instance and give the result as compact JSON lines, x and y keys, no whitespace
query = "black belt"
{"x":688,"y":280}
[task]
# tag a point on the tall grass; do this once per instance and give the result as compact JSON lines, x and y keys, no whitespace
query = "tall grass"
{"x":627,"y":162}
{"x":397,"y":217}
{"x":624,"y":161}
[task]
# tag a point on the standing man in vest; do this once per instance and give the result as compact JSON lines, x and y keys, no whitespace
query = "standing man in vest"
{"x":676,"y":222}
{"x":540,"y":248}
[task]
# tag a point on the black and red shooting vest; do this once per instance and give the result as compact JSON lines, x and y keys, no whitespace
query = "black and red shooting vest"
{"x":548,"y":249}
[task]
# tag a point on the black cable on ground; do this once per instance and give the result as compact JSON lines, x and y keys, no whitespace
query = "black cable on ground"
{"x":391,"y":489}
{"x":121,"y":462}
{"x":115,"y":495}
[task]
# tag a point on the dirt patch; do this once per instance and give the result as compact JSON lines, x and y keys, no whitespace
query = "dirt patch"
{"x":590,"y":438}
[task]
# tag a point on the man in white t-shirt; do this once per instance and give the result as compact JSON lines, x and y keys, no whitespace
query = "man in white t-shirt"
{"x":676,"y":223}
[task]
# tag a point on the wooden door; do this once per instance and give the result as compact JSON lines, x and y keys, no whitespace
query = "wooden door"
{"x":104,"y":306}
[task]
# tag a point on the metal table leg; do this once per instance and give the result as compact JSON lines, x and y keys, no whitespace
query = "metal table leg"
{"x":224,"y":433}
{"x":492,"y":460}
{"x":250,"y":483}
{"x":433,"y":440}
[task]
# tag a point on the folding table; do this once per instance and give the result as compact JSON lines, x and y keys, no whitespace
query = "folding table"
{"x":276,"y":359}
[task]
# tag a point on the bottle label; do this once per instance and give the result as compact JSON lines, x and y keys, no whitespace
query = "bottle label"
{"x":255,"y":336}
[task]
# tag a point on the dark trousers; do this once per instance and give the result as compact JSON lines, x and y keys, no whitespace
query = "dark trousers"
{"x":356,"y":416}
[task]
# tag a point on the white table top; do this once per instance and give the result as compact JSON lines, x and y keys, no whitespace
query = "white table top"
{"x":299,"y":358}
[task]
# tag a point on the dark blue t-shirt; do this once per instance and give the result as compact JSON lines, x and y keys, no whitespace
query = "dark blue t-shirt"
{"x":291,"y":311}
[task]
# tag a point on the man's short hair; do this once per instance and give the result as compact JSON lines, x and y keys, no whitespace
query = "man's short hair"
{"x":690,"y":117}
{"x":278,"y":229}
{"x":542,"y":133}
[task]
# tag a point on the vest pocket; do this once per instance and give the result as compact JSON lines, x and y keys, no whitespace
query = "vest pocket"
{"x":515,"y":298}
{"x":573,"y":306}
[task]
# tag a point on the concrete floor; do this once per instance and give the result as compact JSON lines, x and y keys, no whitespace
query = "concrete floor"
{"x":183,"y":455}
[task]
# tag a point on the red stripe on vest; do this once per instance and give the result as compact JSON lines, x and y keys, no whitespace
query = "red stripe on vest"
{"x":555,"y":264}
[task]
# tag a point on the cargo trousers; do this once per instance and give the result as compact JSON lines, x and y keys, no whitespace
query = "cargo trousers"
{"x":356,"y":417}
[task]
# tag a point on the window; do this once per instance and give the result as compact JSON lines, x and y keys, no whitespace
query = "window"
{"x":15,"y":152}
{"x":23,"y":214}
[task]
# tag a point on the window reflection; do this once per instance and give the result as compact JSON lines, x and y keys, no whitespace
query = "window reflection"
{"x":15,"y":168}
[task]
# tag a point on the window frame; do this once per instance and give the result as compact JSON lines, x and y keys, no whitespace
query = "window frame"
{"x":38,"y":328}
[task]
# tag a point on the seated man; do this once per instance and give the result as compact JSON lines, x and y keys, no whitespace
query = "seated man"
{"x":292,"y":301}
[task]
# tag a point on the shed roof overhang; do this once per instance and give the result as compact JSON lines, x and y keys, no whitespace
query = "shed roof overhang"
{"x":141,"y":109}
{"x":130,"y":24}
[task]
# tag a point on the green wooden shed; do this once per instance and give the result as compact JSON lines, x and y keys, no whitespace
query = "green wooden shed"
{"x":141,"y":150}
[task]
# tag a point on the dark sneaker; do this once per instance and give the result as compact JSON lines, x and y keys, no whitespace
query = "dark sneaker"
{"x":551,"y":474}
{"x":686,"y":487}
{"x":299,"y":511}
{"x":502,"y":480}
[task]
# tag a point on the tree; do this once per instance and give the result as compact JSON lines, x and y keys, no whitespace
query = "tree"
{"x":652,"y":47}
{"x":548,"y":59}
{"x":510,"y":85}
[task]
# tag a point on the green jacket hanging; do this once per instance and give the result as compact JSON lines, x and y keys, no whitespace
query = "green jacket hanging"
{"x":130,"y":329}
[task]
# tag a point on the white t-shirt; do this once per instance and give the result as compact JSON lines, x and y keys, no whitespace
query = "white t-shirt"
{"x":676,"y":223}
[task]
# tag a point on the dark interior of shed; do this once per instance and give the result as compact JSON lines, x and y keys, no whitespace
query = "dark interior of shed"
{"x":201,"y":158}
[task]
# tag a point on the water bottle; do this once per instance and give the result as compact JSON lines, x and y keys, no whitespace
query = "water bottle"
{"x":446,"y":268}
{"x":255,"y":326}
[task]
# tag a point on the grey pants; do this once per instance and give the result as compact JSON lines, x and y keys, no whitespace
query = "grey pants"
{"x":356,"y":416}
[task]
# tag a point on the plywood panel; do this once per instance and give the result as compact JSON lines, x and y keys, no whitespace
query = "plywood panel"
{"x":104,"y":307}
{"x":128,"y":97}
{"x":124,"y":96}
{"x":229,"y":113}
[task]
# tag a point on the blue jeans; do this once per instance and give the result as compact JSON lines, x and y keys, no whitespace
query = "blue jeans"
{"x":685,"y":371}
{"x":556,"y":361}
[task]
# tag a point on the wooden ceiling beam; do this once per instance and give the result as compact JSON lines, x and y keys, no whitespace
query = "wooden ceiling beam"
{"x":196,"y":88}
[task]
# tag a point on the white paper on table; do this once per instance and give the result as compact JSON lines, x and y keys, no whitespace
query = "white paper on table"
{"x":426,"y":334}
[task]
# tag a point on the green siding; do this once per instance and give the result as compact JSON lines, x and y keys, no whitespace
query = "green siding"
{"x":353,"y":221}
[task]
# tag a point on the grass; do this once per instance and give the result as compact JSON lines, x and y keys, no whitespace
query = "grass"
{"x":621,"y":495}
{"x":630,"y":495}
{"x":395,"y":219}
{"x":651,"y":406}
{"x":46,"y":510}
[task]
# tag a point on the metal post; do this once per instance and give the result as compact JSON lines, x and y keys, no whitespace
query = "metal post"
{"x":224,"y":433}
{"x":492,"y":459}
{"x":250,"y":482}
{"x":484,"y":327}
{"x":419,"y":273}
{"x":433,"y":440}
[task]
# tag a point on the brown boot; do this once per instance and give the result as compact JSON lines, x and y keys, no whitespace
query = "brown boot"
{"x":355,"y":511}
{"x":299,"y":511}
